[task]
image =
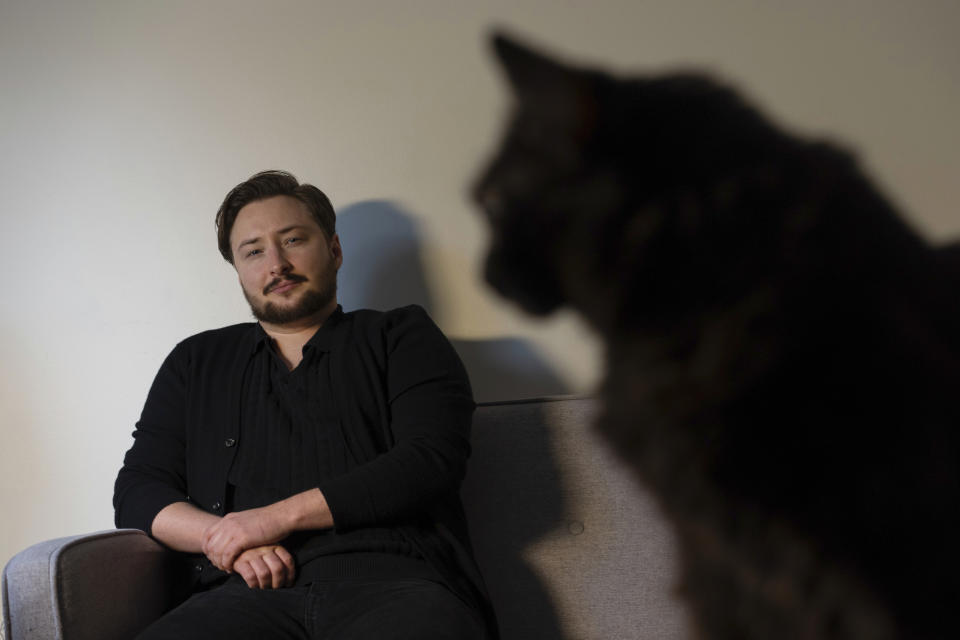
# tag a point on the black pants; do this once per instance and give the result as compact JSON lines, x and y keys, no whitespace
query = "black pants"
{"x":343,"y":610}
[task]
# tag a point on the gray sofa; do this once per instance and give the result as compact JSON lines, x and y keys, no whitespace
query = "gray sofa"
{"x":570,"y":546}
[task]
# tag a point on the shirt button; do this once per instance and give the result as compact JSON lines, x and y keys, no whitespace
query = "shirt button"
{"x":198,"y":567}
{"x":229,"y":442}
{"x":216,"y":506}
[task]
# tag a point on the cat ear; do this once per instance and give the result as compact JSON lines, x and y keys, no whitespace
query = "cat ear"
{"x":534,"y":77}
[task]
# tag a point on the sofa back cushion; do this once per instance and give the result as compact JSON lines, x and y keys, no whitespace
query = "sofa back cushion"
{"x":569,"y":543}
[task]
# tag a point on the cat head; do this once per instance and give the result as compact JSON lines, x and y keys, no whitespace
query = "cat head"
{"x":601,"y":182}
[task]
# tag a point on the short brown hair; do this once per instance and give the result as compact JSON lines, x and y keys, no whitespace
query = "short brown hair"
{"x":268,"y":184}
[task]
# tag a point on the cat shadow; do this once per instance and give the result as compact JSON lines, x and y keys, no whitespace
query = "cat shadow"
{"x":383,"y":269}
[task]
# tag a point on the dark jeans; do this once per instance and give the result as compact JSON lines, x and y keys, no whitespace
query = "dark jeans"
{"x":342,"y":610}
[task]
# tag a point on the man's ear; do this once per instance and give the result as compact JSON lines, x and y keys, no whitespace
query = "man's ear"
{"x":336,"y":250}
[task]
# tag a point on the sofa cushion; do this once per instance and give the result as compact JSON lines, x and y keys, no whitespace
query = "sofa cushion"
{"x":570,"y":544}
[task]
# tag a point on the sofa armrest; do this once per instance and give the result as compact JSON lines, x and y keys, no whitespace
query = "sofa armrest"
{"x":105,"y":585}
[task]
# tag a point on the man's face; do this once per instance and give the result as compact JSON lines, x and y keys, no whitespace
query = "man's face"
{"x":287,"y":266}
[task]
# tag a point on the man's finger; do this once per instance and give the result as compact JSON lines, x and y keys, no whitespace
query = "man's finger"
{"x":230,"y":554}
{"x":210,"y":537}
{"x":278,"y":570}
{"x":212,"y":546}
{"x":247,"y":573}
{"x":217,"y":552}
{"x":287,"y":558}
{"x":264,"y":575}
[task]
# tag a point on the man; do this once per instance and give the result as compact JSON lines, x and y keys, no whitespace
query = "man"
{"x":309,"y":464}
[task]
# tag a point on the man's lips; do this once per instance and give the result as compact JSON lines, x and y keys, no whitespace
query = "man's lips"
{"x":281,"y":285}
{"x":285,"y":286}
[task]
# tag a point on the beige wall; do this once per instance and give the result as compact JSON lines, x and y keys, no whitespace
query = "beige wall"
{"x":122,"y":125}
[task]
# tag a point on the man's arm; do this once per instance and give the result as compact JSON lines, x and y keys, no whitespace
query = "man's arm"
{"x":181,"y":526}
{"x":153,"y":475}
{"x":430,"y":407}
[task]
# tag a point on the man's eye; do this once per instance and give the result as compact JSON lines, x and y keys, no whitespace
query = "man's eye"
{"x":254,"y":252}
{"x":293,"y":240}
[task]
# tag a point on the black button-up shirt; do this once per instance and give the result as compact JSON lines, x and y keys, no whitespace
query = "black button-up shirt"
{"x":401,"y":404}
{"x":290,"y":440}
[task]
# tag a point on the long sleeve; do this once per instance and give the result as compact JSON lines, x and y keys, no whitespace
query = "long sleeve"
{"x":430,"y":407}
{"x":154,"y":469}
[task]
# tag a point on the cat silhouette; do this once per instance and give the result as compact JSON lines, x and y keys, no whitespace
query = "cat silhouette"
{"x":782,"y":349}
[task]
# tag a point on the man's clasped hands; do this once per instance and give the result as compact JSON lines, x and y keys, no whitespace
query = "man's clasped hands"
{"x":244,"y":542}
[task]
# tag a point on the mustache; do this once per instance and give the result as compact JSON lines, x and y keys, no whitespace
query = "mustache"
{"x":290,"y":277}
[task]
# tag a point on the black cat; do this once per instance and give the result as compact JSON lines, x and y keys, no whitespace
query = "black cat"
{"x":783,"y":352}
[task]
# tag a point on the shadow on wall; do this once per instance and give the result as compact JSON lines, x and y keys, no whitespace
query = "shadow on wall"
{"x":383,"y":269}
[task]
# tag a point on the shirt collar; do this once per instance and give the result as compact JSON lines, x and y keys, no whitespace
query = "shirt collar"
{"x":330,"y":334}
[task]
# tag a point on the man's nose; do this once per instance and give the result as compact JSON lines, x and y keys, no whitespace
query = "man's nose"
{"x":278,"y":262}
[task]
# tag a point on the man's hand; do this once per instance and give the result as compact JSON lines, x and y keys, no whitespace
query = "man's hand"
{"x":267,"y":567}
{"x":225,"y":540}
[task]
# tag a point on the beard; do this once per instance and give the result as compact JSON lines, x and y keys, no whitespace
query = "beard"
{"x":311,"y":302}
